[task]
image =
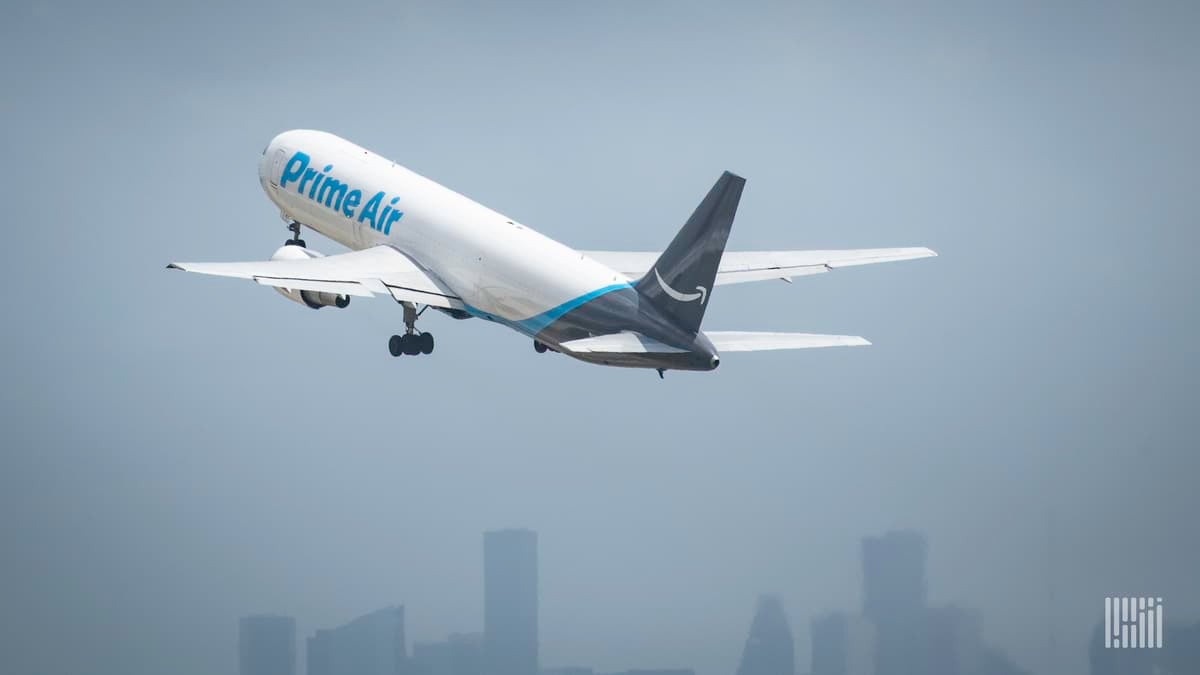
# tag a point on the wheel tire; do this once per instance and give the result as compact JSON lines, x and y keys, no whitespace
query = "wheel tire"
{"x":539,"y":347}
{"x":396,"y":345}
{"x":425,"y":341}
{"x":410,"y":346}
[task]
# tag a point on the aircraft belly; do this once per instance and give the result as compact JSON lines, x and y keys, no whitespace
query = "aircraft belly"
{"x":683,"y":361}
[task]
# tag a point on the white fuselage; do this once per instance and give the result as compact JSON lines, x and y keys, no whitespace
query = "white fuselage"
{"x":499,"y":267}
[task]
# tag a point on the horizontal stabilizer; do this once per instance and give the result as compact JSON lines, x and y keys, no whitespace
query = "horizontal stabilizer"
{"x":745,"y":341}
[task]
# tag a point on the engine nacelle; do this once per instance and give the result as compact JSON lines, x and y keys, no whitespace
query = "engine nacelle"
{"x":316,"y":299}
{"x":313,"y":299}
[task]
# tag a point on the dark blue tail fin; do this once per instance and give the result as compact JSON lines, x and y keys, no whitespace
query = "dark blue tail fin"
{"x":680,"y":283}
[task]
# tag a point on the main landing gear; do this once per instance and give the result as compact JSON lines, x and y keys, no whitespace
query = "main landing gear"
{"x":412,"y":342}
{"x":541,"y":347}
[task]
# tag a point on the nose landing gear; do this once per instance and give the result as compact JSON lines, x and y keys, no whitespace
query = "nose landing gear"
{"x":412,"y":342}
{"x":294,"y":226}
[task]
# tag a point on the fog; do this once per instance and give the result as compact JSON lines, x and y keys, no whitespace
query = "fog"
{"x":181,"y":451}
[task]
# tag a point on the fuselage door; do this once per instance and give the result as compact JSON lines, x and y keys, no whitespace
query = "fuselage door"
{"x":277,"y":167}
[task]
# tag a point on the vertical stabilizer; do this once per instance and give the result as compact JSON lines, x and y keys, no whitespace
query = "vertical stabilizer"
{"x":680,"y":283}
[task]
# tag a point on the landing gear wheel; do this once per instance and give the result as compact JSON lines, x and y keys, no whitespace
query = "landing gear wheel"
{"x":539,"y":347}
{"x":425,"y":342}
{"x":410,"y":345}
{"x":396,"y":345}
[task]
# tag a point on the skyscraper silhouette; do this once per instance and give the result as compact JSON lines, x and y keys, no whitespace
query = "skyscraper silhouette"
{"x":843,"y":644}
{"x":459,"y":654}
{"x":267,"y":645}
{"x":769,"y":648}
{"x":510,"y":602}
{"x":372,"y":644}
{"x":894,"y":594}
{"x":953,"y":641}
{"x":893,"y":576}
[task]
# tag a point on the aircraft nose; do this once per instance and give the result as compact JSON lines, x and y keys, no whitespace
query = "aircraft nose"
{"x":264,"y":165}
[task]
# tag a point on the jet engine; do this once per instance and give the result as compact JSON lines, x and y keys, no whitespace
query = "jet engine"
{"x":313,"y":299}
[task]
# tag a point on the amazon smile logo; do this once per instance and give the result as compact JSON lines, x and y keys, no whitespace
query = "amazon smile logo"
{"x":701,"y":294}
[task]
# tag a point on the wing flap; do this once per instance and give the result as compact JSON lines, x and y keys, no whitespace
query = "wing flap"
{"x":338,"y":287}
{"x":748,"y":341}
{"x":423,"y":296}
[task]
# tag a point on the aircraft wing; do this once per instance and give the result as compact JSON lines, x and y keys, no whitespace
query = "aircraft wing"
{"x":743,"y":266}
{"x":380,"y":269}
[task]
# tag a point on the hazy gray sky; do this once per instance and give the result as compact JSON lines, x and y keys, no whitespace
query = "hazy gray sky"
{"x":180,"y":451}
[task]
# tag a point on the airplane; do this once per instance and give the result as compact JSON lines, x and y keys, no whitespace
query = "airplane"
{"x":425,"y":245}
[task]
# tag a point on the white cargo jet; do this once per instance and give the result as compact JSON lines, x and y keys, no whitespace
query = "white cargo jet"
{"x":428,"y":246}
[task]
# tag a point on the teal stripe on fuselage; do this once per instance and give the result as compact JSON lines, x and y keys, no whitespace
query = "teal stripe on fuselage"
{"x":536,"y":324}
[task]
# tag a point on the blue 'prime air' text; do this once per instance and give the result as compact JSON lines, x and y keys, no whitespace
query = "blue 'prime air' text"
{"x":334,"y":194}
